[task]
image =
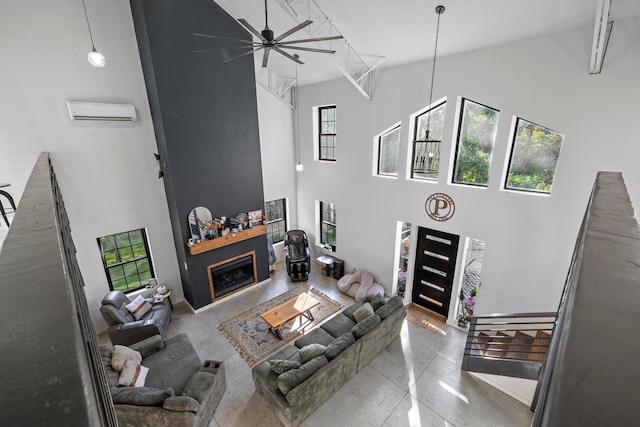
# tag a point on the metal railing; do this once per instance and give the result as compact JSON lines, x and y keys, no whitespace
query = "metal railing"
{"x":509,"y":344}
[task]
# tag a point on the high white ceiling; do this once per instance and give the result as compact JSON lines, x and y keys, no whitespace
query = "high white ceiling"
{"x":403,"y":31}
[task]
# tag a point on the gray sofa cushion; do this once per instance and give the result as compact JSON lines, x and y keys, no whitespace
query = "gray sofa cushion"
{"x":339,"y":345}
{"x":375,"y":300}
{"x":278,"y":366}
{"x":316,"y":336}
{"x":291,"y":379}
{"x":365,"y":326}
{"x":199,"y":385}
{"x":352,"y":309}
{"x":173,"y":366}
{"x":390,"y":306}
{"x":338,"y":325}
{"x":140,"y":396}
{"x":310,"y":351}
{"x":363,"y":312}
{"x":181,"y":403}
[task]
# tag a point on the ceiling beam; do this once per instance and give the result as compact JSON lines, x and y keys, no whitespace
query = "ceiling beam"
{"x":601,"y":35}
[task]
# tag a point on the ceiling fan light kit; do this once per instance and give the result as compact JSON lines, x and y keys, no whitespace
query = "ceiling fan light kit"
{"x":270,"y":43}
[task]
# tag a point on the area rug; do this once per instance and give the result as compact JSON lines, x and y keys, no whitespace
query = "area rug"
{"x":426,"y":318}
{"x":250,"y":335}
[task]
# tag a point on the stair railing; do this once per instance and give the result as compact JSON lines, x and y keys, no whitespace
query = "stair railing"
{"x":509,"y":344}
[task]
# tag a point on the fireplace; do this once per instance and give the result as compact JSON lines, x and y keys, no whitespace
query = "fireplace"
{"x":232,"y":274}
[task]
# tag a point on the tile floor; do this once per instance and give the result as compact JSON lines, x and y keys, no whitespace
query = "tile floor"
{"x":416,"y":381}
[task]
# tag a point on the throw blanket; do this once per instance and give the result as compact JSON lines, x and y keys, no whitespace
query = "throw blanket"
{"x":360,"y":278}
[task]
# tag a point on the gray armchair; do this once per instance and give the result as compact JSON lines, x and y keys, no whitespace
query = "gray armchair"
{"x":124,"y":329}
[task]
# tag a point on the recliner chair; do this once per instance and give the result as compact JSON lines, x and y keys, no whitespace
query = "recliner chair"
{"x":297,"y":255}
{"x":124,"y":329}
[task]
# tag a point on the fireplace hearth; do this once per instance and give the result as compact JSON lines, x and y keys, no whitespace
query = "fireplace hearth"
{"x":233,"y":274}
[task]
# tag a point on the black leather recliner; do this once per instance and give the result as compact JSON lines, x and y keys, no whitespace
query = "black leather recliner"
{"x":124,"y":329}
{"x":297,"y":255}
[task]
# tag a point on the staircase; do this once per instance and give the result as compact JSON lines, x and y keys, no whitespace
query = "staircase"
{"x":514,"y":345}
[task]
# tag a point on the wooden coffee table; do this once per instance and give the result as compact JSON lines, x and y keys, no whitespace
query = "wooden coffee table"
{"x":284,"y":313}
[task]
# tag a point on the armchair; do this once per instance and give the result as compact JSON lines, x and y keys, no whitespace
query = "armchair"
{"x":124,"y":329}
{"x":297,"y":255}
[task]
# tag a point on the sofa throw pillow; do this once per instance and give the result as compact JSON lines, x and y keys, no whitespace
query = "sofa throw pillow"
{"x":390,"y":306}
{"x":133,"y":374}
{"x":140,"y":396}
{"x":279,"y":366}
{"x":339,"y":345}
{"x":138,"y":307}
{"x":363,"y":312}
{"x":376,"y":301}
{"x":310,"y":351}
{"x":294,"y":377}
{"x":121,"y":354}
{"x":365,"y":326}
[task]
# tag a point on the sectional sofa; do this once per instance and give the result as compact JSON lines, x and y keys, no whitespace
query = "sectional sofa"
{"x":350,"y":342}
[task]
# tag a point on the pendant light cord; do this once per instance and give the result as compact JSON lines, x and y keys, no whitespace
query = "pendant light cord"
{"x":297,"y":114}
{"x":93,"y":46}
{"x":439,"y":11}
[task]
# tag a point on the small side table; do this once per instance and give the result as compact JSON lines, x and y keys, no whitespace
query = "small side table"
{"x":161,"y":297}
{"x":332,"y":265}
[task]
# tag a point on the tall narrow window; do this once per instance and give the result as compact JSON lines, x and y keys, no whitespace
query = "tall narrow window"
{"x":275,"y":211}
{"x":426,"y":147}
{"x":476,"y":136}
{"x":534,"y":156}
{"x":328,"y":224}
{"x":388,"y":149}
{"x":126,"y":259}
{"x":327,"y":133}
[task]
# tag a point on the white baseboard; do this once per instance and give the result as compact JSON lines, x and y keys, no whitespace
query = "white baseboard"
{"x":518,"y":388}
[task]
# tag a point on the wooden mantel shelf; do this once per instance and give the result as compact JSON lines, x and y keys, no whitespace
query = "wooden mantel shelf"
{"x":229,"y":239}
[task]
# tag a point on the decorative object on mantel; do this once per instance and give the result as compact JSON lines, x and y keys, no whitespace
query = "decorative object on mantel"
{"x":255,"y":218}
{"x":198,"y":217}
{"x":94,"y":57}
{"x":250,"y":335}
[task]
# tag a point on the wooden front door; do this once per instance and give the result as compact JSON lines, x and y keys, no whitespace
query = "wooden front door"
{"x":435,"y":265}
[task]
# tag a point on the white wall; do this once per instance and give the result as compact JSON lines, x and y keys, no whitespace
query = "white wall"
{"x":106,"y":171}
{"x":529,"y":239}
{"x":277,"y":142}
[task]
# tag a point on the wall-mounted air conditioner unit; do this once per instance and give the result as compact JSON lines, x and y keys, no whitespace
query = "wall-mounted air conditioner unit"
{"x":98,"y":111}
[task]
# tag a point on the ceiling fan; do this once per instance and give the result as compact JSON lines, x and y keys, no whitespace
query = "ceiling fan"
{"x":268,"y":42}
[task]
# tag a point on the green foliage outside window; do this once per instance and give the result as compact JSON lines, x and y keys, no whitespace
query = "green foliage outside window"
{"x":388,"y":149}
{"x":475,"y":144}
{"x":126,"y":260}
{"x":328,"y":223}
{"x":534,"y":157}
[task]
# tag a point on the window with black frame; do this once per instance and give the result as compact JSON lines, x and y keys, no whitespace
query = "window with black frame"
{"x":534,"y":155}
{"x":126,"y":259}
{"x":474,"y":148}
{"x":276,"y":213}
{"x":388,"y":149}
{"x":327,"y":133}
{"x":328,"y":224}
{"x":426,"y":145}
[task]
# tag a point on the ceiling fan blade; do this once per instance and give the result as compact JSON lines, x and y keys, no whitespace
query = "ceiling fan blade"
{"x":243,"y":54}
{"x":265,"y":57}
{"x":309,"y":49}
{"x":222,"y":48}
{"x":225,"y":38}
{"x":253,"y":30}
{"x":291,"y":57}
{"x":294,"y":29}
{"x":317,"y":39}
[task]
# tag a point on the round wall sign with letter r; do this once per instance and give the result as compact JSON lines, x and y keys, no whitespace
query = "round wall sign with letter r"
{"x":440,"y":207}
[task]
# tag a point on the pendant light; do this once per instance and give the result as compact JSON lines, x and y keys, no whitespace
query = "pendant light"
{"x":94,"y":57}
{"x":428,"y":163}
{"x":299,"y":166}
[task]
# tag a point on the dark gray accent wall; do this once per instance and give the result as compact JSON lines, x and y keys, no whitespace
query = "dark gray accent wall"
{"x":206,"y":124}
